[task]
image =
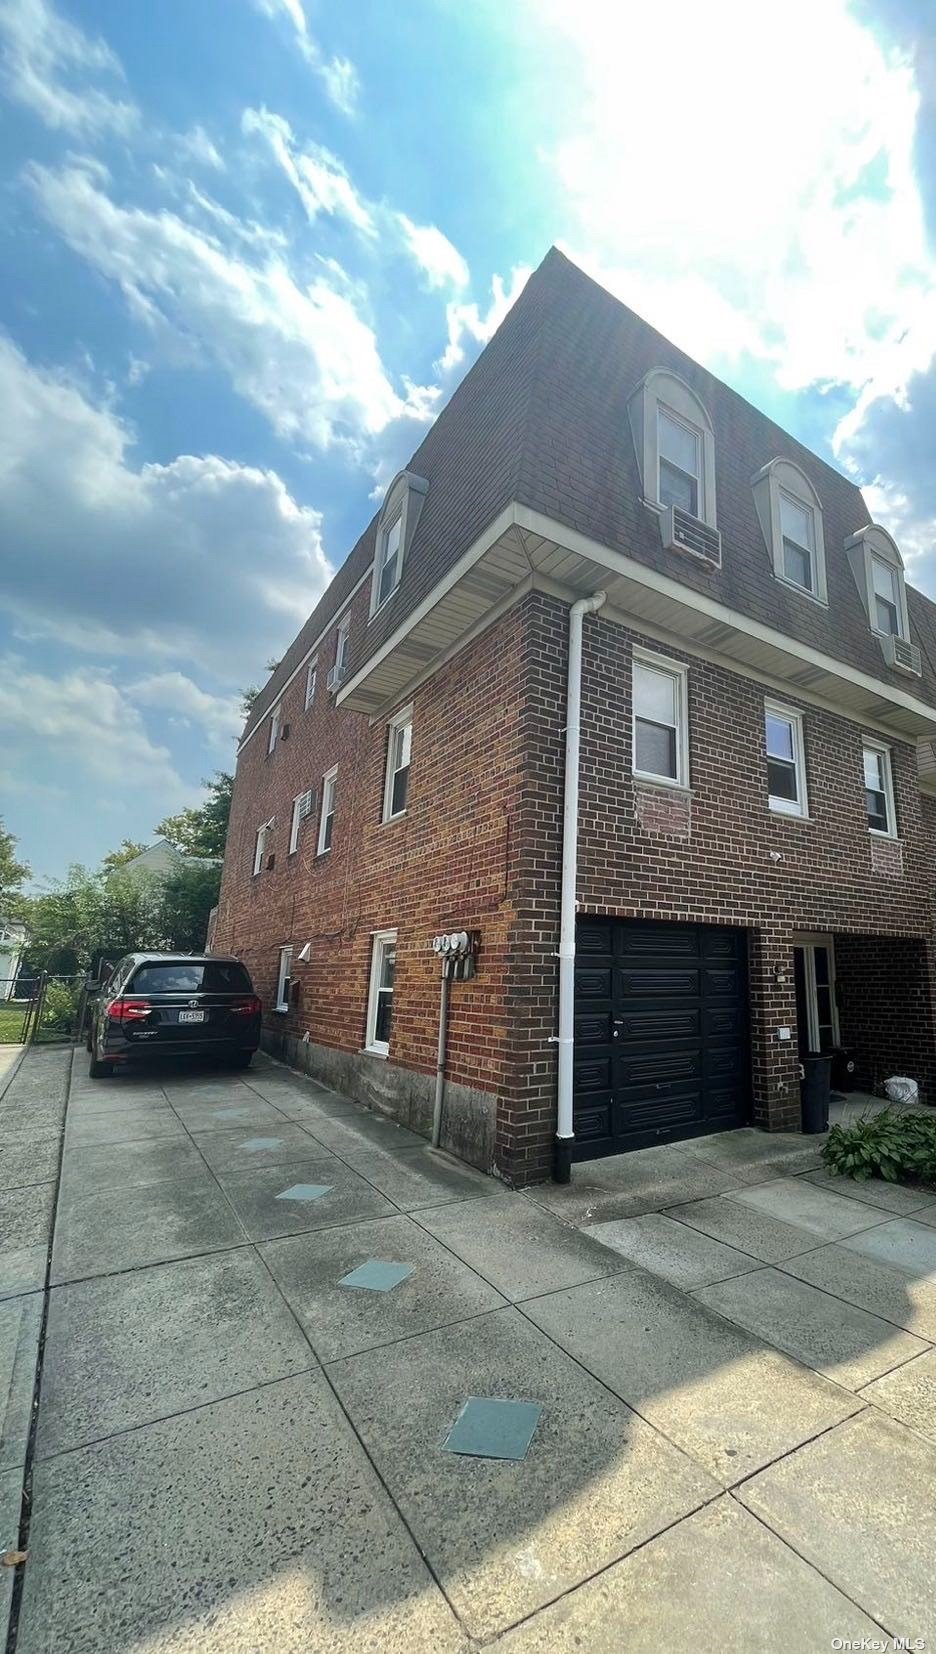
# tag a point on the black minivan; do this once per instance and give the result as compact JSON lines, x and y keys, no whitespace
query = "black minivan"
{"x":168,"y":1005}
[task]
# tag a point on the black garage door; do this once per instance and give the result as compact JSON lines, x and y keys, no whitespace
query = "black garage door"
{"x":661,"y":1033}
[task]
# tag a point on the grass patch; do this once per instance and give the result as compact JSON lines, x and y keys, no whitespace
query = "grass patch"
{"x":12,"y":1018}
{"x":896,"y":1146}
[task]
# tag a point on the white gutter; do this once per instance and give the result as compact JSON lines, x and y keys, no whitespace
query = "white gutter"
{"x":565,"y":1135}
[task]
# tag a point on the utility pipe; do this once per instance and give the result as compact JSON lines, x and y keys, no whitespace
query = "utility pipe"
{"x":565,"y":1135}
{"x":440,"y":1059}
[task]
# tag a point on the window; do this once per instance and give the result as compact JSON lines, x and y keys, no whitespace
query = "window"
{"x":283,"y":979}
{"x":341,"y":643}
{"x":380,"y":997}
{"x":786,"y":772}
{"x":310,"y":683}
{"x":398,"y":764}
{"x":790,"y":515}
{"x":388,"y":572}
{"x":885,"y":584}
{"x":218,"y":976}
{"x":680,"y":461}
{"x":660,"y":732}
{"x":260,"y":846}
{"x":396,"y":525}
{"x":675,"y":445}
{"x":302,"y":806}
{"x":878,"y":569}
{"x":275,"y":720}
{"x":879,"y":790}
{"x":797,"y":526}
{"x":328,"y":811}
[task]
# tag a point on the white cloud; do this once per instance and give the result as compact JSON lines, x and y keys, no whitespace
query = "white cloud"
{"x":337,"y":74}
{"x":434,"y":253}
{"x":200,"y":560}
{"x":195,"y":145}
{"x":220,"y":716}
{"x":303,"y":355}
{"x":49,"y":65}
{"x":317,"y":175}
{"x":85,"y":718}
{"x":468,"y":324}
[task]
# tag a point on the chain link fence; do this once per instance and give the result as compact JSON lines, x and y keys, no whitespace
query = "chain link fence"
{"x":43,"y":1010}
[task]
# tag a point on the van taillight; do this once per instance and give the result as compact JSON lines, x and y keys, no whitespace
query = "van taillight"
{"x":128,"y":1010}
{"x":246,"y":1007}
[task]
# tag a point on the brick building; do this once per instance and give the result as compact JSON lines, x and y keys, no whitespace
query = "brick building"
{"x":756,"y":780}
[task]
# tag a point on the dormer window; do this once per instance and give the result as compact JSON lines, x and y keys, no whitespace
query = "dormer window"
{"x":790,"y":515}
{"x":878,"y":569}
{"x":395,"y":529}
{"x":680,"y":463}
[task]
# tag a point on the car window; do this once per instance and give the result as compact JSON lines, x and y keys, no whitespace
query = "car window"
{"x":181,"y":976}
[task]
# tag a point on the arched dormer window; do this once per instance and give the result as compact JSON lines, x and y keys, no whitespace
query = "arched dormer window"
{"x":790,"y":515}
{"x":395,"y":529}
{"x":675,"y":446}
{"x":878,"y":568}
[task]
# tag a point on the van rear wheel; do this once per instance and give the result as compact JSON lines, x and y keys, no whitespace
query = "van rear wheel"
{"x":100,"y":1070}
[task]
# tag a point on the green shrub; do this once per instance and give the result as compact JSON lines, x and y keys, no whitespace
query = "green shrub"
{"x":60,"y":1008}
{"x":900,"y":1147}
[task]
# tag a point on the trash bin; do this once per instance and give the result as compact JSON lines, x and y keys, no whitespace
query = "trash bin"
{"x":843,"y":1070}
{"x":814,"y":1092}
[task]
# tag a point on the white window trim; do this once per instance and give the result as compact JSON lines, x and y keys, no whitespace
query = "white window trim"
{"x":694,"y":430}
{"x":342,"y":634}
{"x":311,"y":682}
{"x":376,"y":1047}
{"x":873,"y":544}
{"x":276,"y":718}
{"x":403,"y":501}
{"x":799,"y":809}
{"x":298,"y":817}
{"x":663,"y":389}
{"x":781,"y":476}
{"x":329,"y":780}
{"x":283,"y":976}
{"x":260,"y":846}
{"x":808,"y":945}
{"x":680,"y":673}
{"x":398,"y":721}
{"x":871,"y":743}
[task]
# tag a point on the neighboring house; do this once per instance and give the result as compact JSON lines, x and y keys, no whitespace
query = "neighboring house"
{"x":757,"y":789}
{"x":161,"y":858}
{"x":12,"y":947}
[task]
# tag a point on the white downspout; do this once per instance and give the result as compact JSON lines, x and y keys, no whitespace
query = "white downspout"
{"x":565,"y":1135}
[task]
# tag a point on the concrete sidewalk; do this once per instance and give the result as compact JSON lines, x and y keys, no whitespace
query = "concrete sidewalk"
{"x":240,"y":1450}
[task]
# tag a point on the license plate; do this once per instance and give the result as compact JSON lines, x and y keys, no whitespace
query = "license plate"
{"x":191,"y":1016}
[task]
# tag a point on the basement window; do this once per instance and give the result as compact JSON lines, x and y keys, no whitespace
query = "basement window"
{"x":786,"y":768}
{"x":380,"y":994}
{"x":660,"y":722}
{"x":879,"y":790}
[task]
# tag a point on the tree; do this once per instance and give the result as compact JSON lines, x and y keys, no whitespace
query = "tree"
{"x":88,"y":915}
{"x":13,"y":875}
{"x":202,"y":831}
{"x":129,"y":850}
{"x":186,"y":897}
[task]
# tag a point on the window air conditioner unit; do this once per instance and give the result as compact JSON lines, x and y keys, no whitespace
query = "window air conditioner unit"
{"x":284,"y":733}
{"x":902,"y":655}
{"x":681,"y":531}
{"x":335,"y":676}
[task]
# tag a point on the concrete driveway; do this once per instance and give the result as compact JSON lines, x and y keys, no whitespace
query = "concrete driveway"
{"x":726,"y":1363}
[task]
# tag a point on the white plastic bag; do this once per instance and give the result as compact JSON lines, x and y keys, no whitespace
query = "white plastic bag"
{"x":901,"y":1090}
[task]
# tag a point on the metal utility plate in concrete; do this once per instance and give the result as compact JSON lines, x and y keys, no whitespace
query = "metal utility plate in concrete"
{"x":255,"y":1144}
{"x":305,"y":1191}
{"x":490,"y":1429}
{"x":377,"y":1275}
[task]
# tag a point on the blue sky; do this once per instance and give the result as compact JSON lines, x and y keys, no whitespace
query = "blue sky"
{"x":249,"y":246}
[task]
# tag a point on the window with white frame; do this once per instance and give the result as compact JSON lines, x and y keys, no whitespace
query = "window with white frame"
{"x":327,"y":815}
{"x":387,"y":573}
{"x":341,"y":643}
{"x":380,"y":994}
{"x":276,"y":718}
{"x":660,"y":720}
{"x":399,"y":744}
{"x":790,"y":515}
{"x":786,"y":764}
{"x":879,"y":574}
{"x":798,"y":529}
{"x":675,"y":445}
{"x":885,"y":584}
{"x":681,"y":479}
{"x":283,"y":979}
{"x":302,"y":807}
{"x":879,"y":789}
{"x":311,"y":674}
{"x":260,"y":845}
